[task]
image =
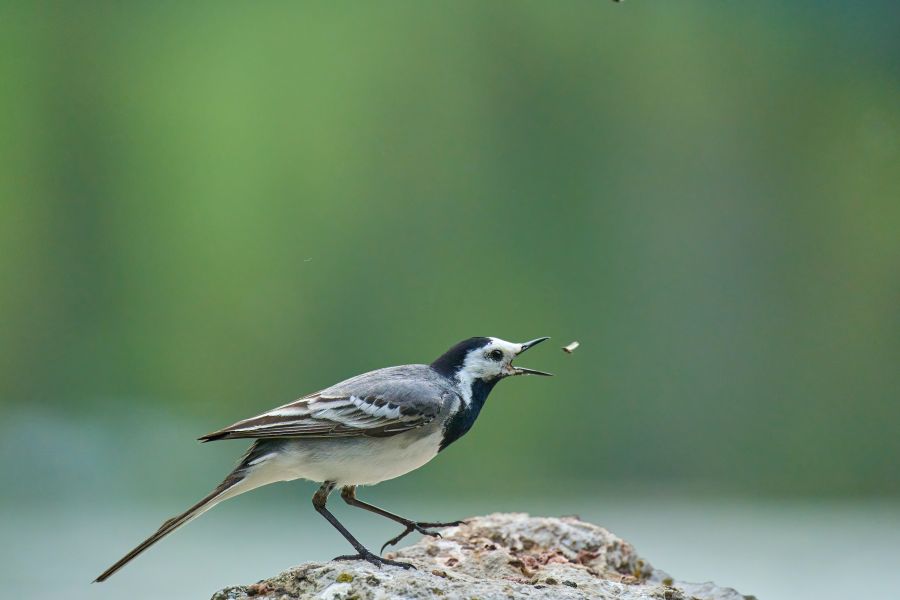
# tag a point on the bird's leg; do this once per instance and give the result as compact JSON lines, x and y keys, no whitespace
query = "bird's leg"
{"x":348,"y":493}
{"x":319,"y":500}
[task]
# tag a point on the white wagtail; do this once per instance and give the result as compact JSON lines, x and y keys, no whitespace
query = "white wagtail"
{"x":367,"y":429}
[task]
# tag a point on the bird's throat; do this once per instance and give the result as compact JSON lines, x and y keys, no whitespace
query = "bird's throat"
{"x":459,"y":423}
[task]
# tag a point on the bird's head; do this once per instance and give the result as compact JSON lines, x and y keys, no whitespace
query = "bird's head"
{"x":484,"y":358}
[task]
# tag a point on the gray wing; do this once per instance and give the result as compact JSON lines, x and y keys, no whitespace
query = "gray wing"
{"x":380,"y":403}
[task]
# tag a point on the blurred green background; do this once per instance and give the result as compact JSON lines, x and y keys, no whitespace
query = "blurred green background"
{"x":210,"y":210}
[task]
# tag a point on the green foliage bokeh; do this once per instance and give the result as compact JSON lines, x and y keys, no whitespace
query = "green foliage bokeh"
{"x":216,"y":209}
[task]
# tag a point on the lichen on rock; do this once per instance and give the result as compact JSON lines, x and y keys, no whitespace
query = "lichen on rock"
{"x":496,"y":556}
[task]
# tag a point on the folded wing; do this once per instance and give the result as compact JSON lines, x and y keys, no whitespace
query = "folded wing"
{"x":329,"y":416}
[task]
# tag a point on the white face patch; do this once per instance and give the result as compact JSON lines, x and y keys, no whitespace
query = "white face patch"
{"x":488,"y":362}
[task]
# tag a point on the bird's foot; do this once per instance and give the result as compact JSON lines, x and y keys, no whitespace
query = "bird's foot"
{"x":450,"y":524}
{"x":421,"y":528}
{"x":375,"y":560}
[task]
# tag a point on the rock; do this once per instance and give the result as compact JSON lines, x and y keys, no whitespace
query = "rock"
{"x":496,"y":556}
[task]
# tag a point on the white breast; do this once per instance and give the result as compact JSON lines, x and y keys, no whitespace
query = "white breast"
{"x":356,"y":460}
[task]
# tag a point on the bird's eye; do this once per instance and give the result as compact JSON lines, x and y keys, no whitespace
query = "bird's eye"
{"x":495,"y":355}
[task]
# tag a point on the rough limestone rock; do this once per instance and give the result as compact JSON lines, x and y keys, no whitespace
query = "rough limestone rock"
{"x":505,"y":556}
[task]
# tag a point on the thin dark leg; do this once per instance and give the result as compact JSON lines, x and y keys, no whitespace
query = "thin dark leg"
{"x":319,"y":500}
{"x":348,"y":493}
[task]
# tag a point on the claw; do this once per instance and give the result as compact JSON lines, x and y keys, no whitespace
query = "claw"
{"x":375,"y":560}
{"x":421,"y":528}
{"x":450,"y":524}
{"x":393,"y":541}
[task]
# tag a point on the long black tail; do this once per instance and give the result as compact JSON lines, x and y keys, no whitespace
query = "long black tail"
{"x":249,"y":474}
{"x":169,"y":526}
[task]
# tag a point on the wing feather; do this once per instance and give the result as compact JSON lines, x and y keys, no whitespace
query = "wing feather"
{"x":332,"y":415}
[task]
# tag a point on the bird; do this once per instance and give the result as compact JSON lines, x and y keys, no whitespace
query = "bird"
{"x":361,"y":431}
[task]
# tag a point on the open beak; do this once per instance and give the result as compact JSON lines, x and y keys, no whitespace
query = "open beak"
{"x":523,"y":370}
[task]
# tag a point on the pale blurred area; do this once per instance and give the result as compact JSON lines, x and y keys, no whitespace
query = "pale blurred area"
{"x":207,"y":211}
